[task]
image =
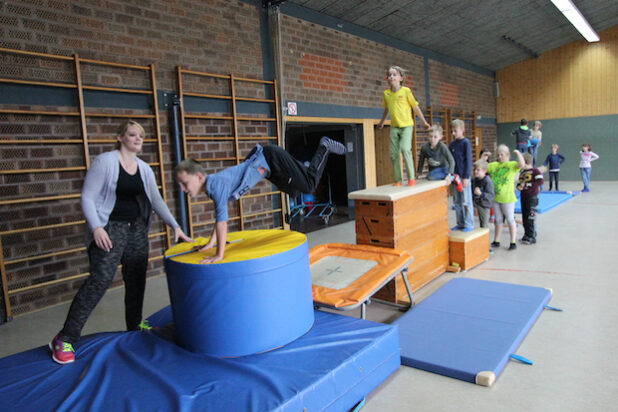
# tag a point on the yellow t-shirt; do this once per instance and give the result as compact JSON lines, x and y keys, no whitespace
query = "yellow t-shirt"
{"x":399,"y":104}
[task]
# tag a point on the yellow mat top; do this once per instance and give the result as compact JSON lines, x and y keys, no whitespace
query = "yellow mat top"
{"x":245,"y":245}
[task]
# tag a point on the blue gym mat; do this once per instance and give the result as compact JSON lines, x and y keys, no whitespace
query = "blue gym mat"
{"x":331,"y":368}
{"x":547,"y":200}
{"x":468,"y":328}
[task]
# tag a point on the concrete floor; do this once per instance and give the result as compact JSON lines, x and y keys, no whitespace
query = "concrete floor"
{"x":574,"y":352}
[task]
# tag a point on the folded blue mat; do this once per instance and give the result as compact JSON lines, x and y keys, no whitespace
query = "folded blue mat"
{"x":332,"y":367}
{"x":468,"y":328}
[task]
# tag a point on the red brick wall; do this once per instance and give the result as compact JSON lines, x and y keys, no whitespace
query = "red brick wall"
{"x":217,"y":36}
{"x":323,"y":65}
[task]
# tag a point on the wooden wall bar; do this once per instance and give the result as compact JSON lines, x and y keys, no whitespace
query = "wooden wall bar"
{"x":575,"y":80}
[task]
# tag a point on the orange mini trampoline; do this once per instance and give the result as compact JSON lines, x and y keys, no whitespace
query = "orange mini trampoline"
{"x":344,"y":276}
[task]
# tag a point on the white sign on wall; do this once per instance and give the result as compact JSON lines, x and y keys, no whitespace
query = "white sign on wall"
{"x":292,"y":109}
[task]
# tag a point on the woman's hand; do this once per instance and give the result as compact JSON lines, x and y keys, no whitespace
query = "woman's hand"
{"x":101,"y":239}
{"x":178,"y":233}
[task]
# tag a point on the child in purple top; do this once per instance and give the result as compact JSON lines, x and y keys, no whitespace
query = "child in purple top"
{"x":586,"y":157}
{"x":530,"y":180}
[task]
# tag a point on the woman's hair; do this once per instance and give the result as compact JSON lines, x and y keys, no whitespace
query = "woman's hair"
{"x":402,"y":72}
{"x":538,"y":123}
{"x":587,"y":145}
{"x":123,"y":127}
{"x":436,"y":128}
{"x":504,"y":149}
{"x":458,"y":124}
{"x":189,"y":166}
{"x":555,"y":145}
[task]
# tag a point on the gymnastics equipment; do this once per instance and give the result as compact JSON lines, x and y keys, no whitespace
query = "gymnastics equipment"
{"x":469,"y":328}
{"x":256,"y":299}
{"x":547,"y":200}
{"x":331,"y":368}
{"x":345,"y":277}
{"x":468,"y":249}
{"x":412,"y":218}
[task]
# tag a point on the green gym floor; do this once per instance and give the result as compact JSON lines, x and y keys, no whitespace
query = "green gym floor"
{"x":574,"y":351}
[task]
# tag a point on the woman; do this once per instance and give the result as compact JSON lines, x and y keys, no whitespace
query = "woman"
{"x":118,"y":196}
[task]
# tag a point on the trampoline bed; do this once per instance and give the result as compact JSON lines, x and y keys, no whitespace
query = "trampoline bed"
{"x":345,"y":276}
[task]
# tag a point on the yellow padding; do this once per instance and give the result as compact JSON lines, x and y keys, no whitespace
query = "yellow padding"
{"x":390,"y":262}
{"x":245,"y":245}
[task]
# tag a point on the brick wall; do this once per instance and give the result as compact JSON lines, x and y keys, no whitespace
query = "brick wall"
{"x":323,"y":65}
{"x":217,"y":36}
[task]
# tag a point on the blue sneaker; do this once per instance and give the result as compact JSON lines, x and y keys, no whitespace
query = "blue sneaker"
{"x":457,"y":227}
{"x":467,"y":229}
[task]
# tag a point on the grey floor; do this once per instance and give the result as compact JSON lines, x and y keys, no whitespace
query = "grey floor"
{"x":574,"y":351}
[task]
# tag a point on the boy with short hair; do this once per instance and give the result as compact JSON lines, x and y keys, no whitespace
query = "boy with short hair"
{"x":554,"y":160}
{"x":522,"y":136}
{"x":461,"y":149}
{"x":482,"y":191}
{"x":270,"y":162}
{"x":530,"y":179}
{"x":440,"y":162}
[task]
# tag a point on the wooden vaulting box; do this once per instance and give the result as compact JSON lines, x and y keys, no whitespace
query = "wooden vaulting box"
{"x":408,"y":218}
{"x":468,"y":249}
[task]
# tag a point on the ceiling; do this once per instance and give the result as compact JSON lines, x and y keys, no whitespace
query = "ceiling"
{"x":471,"y":30}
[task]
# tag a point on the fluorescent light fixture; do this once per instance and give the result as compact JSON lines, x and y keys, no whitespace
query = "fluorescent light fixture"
{"x":572,"y":13}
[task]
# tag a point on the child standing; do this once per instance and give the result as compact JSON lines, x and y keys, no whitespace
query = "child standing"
{"x":439,"y":159}
{"x":530,"y":180}
{"x":586,"y":156}
{"x":482,"y":192}
{"x":503,"y":174}
{"x":461,"y":149}
{"x":536,"y":137}
{"x":399,"y":102}
{"x":554,"y":160}
{"x":522,"y":136}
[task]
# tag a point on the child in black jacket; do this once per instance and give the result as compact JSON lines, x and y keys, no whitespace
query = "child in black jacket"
{"x":482,"y":191}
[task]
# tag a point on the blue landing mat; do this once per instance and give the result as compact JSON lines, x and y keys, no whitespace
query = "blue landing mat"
{"x":547,"y":200}
{"x":332,"y":367}
{"x":468,"y":328}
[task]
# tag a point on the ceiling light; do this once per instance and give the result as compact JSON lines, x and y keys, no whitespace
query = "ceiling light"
{"x":571,"y":12}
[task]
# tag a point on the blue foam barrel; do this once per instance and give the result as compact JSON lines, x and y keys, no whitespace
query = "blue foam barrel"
{"x":257,"y":299}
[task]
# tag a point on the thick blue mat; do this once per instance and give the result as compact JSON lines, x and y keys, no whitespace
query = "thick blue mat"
{"x":332,"y":367}
{"x":468,"y":328}
{"x":547,"y":200}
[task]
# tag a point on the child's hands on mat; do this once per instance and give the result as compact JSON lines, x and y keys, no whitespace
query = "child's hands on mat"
{"x":211,"y":259}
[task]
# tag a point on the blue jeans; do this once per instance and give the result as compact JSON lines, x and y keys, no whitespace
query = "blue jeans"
{"x":585,"y":176}
{"x":463,"y":207}
{"x":439,"y":173}
{"x":534,"y":151}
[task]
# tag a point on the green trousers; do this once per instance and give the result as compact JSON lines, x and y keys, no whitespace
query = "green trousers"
{"x":401,"y":141}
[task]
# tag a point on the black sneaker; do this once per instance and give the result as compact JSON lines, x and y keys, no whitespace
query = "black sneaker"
{"x":513,"y":246}
{"x":525,"y":240}
{"x":531,"y":241}
{"x":333,"y":146}
{"x":495,"y":244}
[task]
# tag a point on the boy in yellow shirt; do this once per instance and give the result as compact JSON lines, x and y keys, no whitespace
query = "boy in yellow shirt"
{"x":397,"y":101}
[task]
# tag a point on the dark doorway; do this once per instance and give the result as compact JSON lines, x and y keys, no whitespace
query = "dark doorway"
{"x":329,"y":204}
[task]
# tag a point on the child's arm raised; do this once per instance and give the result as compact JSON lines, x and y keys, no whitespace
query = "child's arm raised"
{"x":520,"y":159}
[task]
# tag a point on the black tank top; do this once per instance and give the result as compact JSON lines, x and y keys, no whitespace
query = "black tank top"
{"x":128,"y":188}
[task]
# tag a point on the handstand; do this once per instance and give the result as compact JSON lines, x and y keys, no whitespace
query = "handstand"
{"x":269,"y":162}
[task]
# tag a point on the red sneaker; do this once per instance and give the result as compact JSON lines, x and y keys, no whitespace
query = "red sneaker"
{"x":397,"y":184}
{"x":411,"y":182}
{"x":457,"y":181}
{"x":62,"y":352}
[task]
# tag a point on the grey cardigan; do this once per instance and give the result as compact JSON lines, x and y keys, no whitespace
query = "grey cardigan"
{"x":99,"y":192}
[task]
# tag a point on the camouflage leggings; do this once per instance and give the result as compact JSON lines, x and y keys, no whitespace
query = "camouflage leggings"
{"x":130,"y":248}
